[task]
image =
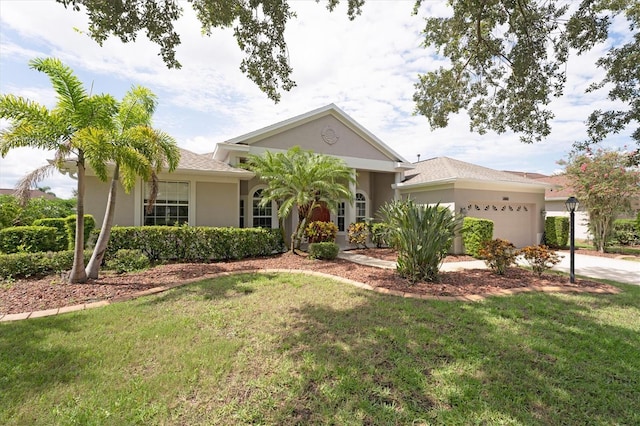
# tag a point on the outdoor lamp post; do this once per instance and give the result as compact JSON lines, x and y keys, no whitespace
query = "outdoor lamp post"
{"x":572,"y":205}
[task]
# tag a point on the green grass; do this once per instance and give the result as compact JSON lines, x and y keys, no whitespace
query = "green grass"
{"x":616,"y":249}
{"x":289,"y":349}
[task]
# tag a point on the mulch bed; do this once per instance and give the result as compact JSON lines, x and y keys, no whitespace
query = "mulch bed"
{"x":41,"y":293}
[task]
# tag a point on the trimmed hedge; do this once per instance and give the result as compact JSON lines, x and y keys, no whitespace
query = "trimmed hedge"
{"x":556,"y":231}
{"x":475,"y":233}
{"x":625,"y":232}
{"x":324,"y":250}
{"x":28,"y":264}
{"x":62,"y":241}
{"x":195,"y":243}
{"x":89,"y":225}
{"x":29,"y":239}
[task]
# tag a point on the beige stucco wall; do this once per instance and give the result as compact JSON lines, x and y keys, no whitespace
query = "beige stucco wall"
{"x":309,"y":136}
{"x":217,"y":204}
{"x":363,"y":181}
{"x":95,"y":202}
{"x":381,"y":190}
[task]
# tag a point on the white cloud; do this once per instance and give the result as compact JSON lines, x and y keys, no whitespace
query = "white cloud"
{"x":367,"y":67}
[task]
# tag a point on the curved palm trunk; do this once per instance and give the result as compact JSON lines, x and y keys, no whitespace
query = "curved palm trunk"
{"x":93,"y":268}
{"x":78,"y":274}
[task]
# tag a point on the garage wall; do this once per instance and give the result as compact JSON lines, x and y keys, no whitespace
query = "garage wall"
{"x":517,"y":218}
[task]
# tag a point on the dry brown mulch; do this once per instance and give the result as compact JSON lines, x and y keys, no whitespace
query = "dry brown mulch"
{"x":50,"y":292}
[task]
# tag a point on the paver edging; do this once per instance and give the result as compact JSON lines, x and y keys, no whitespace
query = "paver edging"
{"x":381,"y":290}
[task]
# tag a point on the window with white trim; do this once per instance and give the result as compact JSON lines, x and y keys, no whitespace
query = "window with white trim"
{"x":171,"y":205}
{"x":241,"y":213}
{"x":361,"y":207}
{"x":340,"y":216}
{"x":261,"y":215}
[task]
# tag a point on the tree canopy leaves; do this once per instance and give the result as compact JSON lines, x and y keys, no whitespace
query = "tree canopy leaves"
{"x":507,"y":58}
{"x":604,"y":183}
{"x":507,"y":62}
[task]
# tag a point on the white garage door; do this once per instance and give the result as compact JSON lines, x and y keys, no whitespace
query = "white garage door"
{"x":511,"y":221}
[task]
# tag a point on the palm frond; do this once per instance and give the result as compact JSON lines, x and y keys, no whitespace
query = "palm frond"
{"x":69,"y":88}
{"x":24,"y":185}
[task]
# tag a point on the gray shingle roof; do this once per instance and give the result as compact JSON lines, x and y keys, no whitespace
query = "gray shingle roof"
{"x":204,"y":162}
{"x":448,"y":169}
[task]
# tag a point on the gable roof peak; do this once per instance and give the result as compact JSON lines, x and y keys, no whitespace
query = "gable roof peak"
{"x":331,"y":109}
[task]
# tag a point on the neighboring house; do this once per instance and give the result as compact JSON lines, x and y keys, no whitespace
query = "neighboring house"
{"x":556,"y":195}
{"x":211,"y":190}
{"x":555,"y":198}
{"x":33,"y":193}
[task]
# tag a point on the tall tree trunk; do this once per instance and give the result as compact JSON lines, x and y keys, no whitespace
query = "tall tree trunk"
{"x":78,"y":274}
{"x":304,"y":214}
{"x":93,"y":268}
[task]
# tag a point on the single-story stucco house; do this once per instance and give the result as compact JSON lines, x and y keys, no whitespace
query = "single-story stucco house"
{"x":211,"y":190}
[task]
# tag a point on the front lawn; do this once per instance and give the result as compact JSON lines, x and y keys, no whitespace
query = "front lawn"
{"x":292,"y":349}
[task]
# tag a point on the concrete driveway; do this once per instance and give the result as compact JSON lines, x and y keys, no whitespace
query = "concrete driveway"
{"x":624,"y":271}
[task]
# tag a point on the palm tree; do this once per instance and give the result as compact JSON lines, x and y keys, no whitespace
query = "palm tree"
{"x":304,"y":180}
{"x":135,"y":150}
{"x":58,"y":129}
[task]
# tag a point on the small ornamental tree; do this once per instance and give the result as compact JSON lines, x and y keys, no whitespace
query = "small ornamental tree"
{"x":302,"y":181}
{"x":604,"y":182}
{"x":540,"y":258}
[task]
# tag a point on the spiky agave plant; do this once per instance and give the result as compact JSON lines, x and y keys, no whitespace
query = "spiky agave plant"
{"x":423,"y":235}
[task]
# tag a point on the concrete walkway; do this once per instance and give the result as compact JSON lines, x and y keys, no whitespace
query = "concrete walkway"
{"x":624,"y":271}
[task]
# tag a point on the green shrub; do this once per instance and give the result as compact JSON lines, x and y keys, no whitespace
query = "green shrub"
{"x":29,"y":264}
{"x":540,"y":258}
{"x":476,"y":232}
{"x":381,"y":235}
{"x":21,"y":265}
{"x":498,"y":254}
{"x":195,"y":243}
{"x":128,"y":261}
{"x":89,"y":225}
{"x":423,"y":234}
{"x":321,"y":232}
{"x":624,"y":232}
{"x":29,"y":239}
{"x":556,"y":231}
{"x":13,"y":214}
{"x":324,"y":250}
{"x":357,"y":234}
{"x":62,"y":240}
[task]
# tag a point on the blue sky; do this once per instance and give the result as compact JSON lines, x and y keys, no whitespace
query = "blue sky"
{"x":367,"y":67}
